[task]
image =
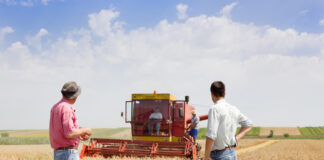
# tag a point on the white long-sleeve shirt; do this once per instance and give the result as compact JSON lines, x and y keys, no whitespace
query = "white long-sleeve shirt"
{"x":223,"y":120}
{"x":155,"y":116}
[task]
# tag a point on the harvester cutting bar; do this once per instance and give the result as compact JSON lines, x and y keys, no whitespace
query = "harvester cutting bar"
{"x":111,"y":147}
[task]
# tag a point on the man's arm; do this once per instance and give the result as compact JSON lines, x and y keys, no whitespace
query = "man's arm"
{"x":208,"y":148}
{"x":243,"y":131}
{"x":192,"y":126}
{"x":246,"y":126}
{"x":79,"y":132}
{"x":211,"y":133}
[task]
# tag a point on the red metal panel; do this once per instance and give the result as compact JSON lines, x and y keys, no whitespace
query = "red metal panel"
{"x":178,"y":125}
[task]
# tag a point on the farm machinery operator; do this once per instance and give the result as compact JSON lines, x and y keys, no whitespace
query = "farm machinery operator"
{"x":155,"y":121}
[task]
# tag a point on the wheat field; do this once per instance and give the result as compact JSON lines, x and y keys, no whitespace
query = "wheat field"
{"x":281,"y":149}
{"x":248,"y":149}
{"x":289,"y":150}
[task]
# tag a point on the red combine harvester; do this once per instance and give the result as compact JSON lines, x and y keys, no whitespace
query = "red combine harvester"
{"x":159,"y":137}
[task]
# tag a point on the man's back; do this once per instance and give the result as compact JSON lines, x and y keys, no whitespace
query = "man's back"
{"x":62,"y":122}
{"x":223,"y":121}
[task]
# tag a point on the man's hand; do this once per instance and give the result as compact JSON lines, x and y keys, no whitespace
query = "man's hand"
{"x":208,"y":148}
{"x":79,"y":132}
{"x":84,"y":137}
{"x":87,"y":131}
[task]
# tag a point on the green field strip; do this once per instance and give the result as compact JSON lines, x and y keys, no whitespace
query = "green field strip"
{"x":23,"y":140}
{"x":309,"y":131}
{"x":44,"y":139}
{"x":321,"y":129}
{"x":202,"y":133}
{"x":255,"y":131}
{"x":106,"y":133}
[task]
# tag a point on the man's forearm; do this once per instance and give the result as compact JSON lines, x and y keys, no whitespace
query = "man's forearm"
{"x":192,"y":126}
{"x":243,"y":131}
{"x":78,"y":132}
{"x":208,"y":147}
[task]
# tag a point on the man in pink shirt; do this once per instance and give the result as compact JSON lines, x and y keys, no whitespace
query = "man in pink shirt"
{"x":64,"y":131}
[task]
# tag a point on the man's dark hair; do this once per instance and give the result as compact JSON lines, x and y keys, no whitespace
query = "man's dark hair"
{"x":217,"y":88}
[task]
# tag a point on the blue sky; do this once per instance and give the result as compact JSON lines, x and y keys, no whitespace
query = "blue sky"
{"x":59,"y":16}
{"x":270,"y":54}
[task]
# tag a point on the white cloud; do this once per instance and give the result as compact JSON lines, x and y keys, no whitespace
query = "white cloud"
{"x":4,"y":31}
{"x":27,"y":3}
{"x":102,"y":23}
{"x":268,"y":71}
{"x":226,"y":11}
{"x":36,"y":41}
{"x":321,"y":22}
{"x":45,"y":2}
{"x":182,"y":11}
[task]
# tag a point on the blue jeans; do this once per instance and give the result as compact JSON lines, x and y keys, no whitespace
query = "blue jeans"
{"x":224,"y":155}
{"x":157,"y":127}
{"x":68,"y":154}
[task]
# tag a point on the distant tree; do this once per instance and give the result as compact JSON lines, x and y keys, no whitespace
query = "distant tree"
{"x":5,"y":134}
{"x":286,"y":135}
{"x":271,"y":134}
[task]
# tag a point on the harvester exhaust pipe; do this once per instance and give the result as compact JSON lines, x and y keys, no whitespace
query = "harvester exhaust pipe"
{"x":187,"y":99}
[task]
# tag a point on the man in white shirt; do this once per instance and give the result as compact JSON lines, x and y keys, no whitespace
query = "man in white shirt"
{"x":223,"y":120}
{"x":155,"y":120}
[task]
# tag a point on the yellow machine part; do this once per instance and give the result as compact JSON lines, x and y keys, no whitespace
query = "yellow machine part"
{"x":153,"y":138}
{"x":159,"y":96}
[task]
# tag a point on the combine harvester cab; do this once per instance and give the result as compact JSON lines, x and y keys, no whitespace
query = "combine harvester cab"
{"x":171,"y":140}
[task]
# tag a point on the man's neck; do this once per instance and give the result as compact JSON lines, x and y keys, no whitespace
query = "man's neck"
{"x":219,"y":99}
{"x":71,"y":101}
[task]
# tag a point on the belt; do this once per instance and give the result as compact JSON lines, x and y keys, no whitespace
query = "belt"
{"x":66,"y":148}
{"x":226,"y":148}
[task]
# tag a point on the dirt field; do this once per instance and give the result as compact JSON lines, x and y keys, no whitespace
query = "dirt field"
{"x":280,"y":131}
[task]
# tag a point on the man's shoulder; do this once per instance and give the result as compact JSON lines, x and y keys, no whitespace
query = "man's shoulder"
{"x":223,"y":106}
{"x":63,"y":106}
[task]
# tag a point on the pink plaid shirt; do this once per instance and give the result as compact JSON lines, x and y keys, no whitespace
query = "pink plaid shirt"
{"x":62,"y":122}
